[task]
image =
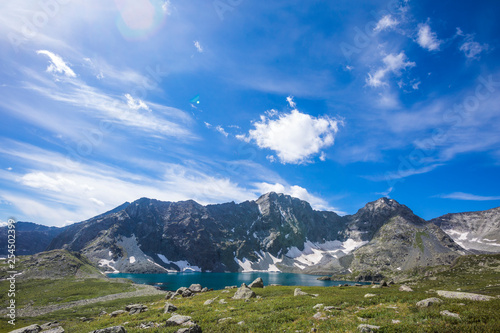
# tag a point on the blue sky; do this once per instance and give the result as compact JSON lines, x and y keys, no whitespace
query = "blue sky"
{"x":335,"y":102}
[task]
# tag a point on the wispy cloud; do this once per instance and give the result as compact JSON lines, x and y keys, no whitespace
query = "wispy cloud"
{"x":198,"y":46}
{"x":57,"y":64}
{"x":470,"y":47}
{"x":468,"y":197}
{"x":426,"y":38}
{"x":393,"y":63}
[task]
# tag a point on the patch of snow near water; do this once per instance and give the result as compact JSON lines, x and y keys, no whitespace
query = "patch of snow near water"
{"x":131,"y":259}
{"x":108,"y":263}
{"x":184,"y":265}
{"x":266,"y":263}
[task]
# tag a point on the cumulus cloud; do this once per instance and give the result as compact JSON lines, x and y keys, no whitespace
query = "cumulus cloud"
{"x":295,"y":136}
{"x":427,"y":39}
{"x":57,"y":64}
{"x":198,"y":46}
{"x":386,"y":23}
{"x":296,"y":192}
{"x":392,"y":63}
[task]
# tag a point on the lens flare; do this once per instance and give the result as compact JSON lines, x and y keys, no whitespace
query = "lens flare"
{"x":139,"y":19}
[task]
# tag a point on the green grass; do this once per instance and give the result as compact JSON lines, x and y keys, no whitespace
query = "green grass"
{"x":418,"y":240}
{"x":279,"y":311}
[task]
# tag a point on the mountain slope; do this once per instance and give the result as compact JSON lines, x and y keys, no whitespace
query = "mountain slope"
{"x":477,"y":231}
{"x":31,"y":238}
{"x":274,"y":233}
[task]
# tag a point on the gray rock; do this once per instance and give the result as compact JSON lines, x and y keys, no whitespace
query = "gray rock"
{"x":222,"y":301}
{"x":180,"y":290}
{"x":257,"y":283}
{"x":395,"y":321}
{"x":241,"y":322}
{"x":369,"y":295}
{"x":230,"y":287}
{"x":169,"y":307}
{"x":169,"y":294}
{"x":117,"y":313}
{"x":210,"y":301}
{"x":222,"y":320}
{"x":102,"y":313}
{"x":330,"y":308}
{"x":447,"y":313}
{"x":428,"y":302}
{"x":187,"y":293}
{"x":365,"y":328}
{"x":113,"y":329}
{"x":320,"y":316}
{"x":192,"y":329}
{"x":317,"y":306}
{"x":28,"y":329}
{"x":195,"y":288}
{"x":204,"y":290}
{"x":136,"y":308}
{"x":244,"y":293}
{"x":177,"y":320}
{"x":462,"y":295}
{"x":383,"y":283}
{"x":57,"y":329}
{"x":50,"y":324}
{"x":299,"y":292}
{"x":149,"y":324}
{"x":405,"y":288}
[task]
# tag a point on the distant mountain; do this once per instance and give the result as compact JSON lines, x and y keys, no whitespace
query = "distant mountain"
{"x":31,"y":238}
{"x":475,"y":231}
{"x":274,"y":233}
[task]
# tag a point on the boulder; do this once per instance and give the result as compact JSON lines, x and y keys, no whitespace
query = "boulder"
{"x":244,"y":293}
{"x":117,"y":313}
{"x":299,"y":292}
{"x":112,"y":329}
{"x":169,"y":307}
{"x":317,"y":306}
{"x":204,"y":290}
{"x":383,"y":283}
{"x":28,"y":329}
{"x":136,"y":308}
{"x":195,"y":288}
{"x":320,"y":316}
{"x":330,"y":308}
{"x":169,"y":294}
{"x":50,"y":324}
{"x":210,"y":301}
{"x":365,"y":328}
{"x":180,"y":290}
{"x":462,"y":295}
{"x":57,"y":329}
{"x":447,"y":313}
{"x":177,"y":320}
{"x":428,"y":302}
{"x":187,"y":293}
{"x":257,"y":283}
{"x":405,"y":288}
{"x":370,"y":295}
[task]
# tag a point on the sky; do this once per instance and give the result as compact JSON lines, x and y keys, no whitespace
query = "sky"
{"x":335,"y":102}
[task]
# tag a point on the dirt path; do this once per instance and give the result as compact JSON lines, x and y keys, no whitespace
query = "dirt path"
{"x":142,"y":290}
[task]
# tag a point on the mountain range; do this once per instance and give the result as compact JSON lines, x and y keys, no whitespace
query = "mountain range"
{"x":273,"y":233}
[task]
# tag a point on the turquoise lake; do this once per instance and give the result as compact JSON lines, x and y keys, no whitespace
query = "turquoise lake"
{"x":173,"y":281}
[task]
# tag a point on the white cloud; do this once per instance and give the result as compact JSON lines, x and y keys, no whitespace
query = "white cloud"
{"x":386,"y":192}
{"x":167,"y":7}
{"x":392,"y":63}
{"x":386,"y":23}
{"x":415,"y":85}
{"x":57,"y":64}
{"x":136,"y":104}
{"x":471,"y":48}
{"x":427,"y":39}
{"x":468,"y":197}
{"x":296,"y":192}
{"x":290,"y":101}
{"x":405,"y":170}
{"x":221,"y":130}
{"x":198,"y":46}
{"x":295,"y":136}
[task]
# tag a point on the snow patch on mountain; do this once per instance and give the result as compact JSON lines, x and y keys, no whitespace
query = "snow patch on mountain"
{"x":266,"y":263}
{"x":184,"y":265}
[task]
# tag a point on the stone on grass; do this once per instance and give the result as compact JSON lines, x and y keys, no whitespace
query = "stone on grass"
{"x":365,"y":328}
{"x":204,"y":290}
{"x":462,"y":295}
{"x":257,"y":283}
{"x":222,"y":301}
{"x":187,"y":293}
{"x":28,"y":329}
{"x":192,"y":329}
{"x":370,"y":295}
{"x":330,"y":308}
{"x":319,"y":316}
{"x":317,"y":306}
{"x":112,"y":329}
{"x":169,"y":307}
{"x":244,"y":293}
{"x":220,"y":321}
{"x":50,"y":324}
{"x":117,"y":313}
{"x":177,"y":320}
{"x":447,"y":313}
{"x":136,"y":308}
{"x":195,"y":288}
{"x":395,"y":321}
{"x":405,"y":288}
{"x":383,"y":283}
{"x":58,"y":329}
{"x":428,"y":302}
{"x":299,"y":292}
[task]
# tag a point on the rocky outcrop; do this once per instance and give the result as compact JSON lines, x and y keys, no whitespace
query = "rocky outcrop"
{"x":244,"y":293}
{"x":475,"y":231}
{"x":257,"y":283}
